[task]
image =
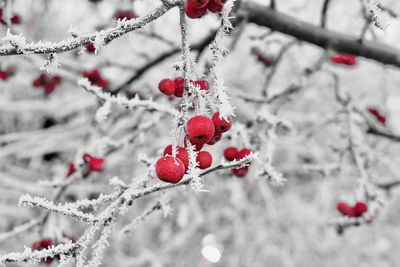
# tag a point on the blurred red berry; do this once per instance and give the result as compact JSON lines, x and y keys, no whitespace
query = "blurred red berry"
{"x":360,"y":208}
{"x":240,"y":172}
{"x":94,"y":163}
{"x":91,"y":48}
{"x":231,"y":153}
{"x":167,"y":86}
{"x":214,"y":7}
{"x":343,"y":59}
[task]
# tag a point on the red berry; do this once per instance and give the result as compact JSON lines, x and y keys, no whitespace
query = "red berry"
{"x":122,"y":14}
{"x":170,"y":169}
{"x":345,"y":209}
{"x":267,"y":61}
{"x":200,"y":129}
{"x":221,"y":125}
{"x":167,"y":86}
{"x":241,"y":172}
{"x":230,"y":153}
{"x":243,"y":153}
{"x":204,"y":159}
{"x":343,"y":59}
{"x":217,"y":136}
{"x":203,"y":84}
{"x":3,"y":75}
{"x":197,"y":3}
{"x":181,"y":154}
{"x":179,"y":86}
{"x":360,"y":208}
{"x":91,"y":48}
{"x":94,"y":163}
{"x":378,"y":115}
{"x":214,"y":7}
{"x":49,"y":88}
{"x":46,"y":243}
{"x":16,"y":19}
{"x":193,"y":12}
{"x":95,"y":78}
{"x":40,"y":80}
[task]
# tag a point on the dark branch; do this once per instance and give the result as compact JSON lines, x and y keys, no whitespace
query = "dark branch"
{"x":324,"y":13}
{"x":276,"y":21}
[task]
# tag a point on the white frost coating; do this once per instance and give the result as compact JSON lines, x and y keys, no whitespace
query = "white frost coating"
{"x":51,"y":64}
{"x":18,"y":41}
{"x":99,"y":41}
{"x":103,"y":112}
{"x":135,"y":102}
{"x":193,"y":171}
{"x":225,"y":108}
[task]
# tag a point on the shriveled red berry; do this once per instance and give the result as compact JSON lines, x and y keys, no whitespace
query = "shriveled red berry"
{"x":204,"y":159}
{"x":343,"y":59}
{"x":167,"y":86}
{"x":214,"y":7}
{"x":231,"y":153}
{"x":221,"y":125}
{"x":200,"y":129}
{"x":345,"y":209}
{"x":170,"y":169}
{"x":95,"y":78}
{"x":179,"y":86}
{"x":198,"y":3}
{"x":181,"y":154}
{"x":243,"y":153}
{"x":360,"y":208}
{"x":193,"y":12}
{"x":217,"y":136}
{"x":40,"y":80}
{"x":49,"y":88}
{"x":240,"y":172}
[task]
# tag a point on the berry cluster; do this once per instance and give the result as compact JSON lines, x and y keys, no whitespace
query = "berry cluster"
{"x":49,"y":84}
{"x":232,"y":153}
{"x":200,"y":130}
{"x":95,"y":78}
{"x":343,"y":59}
{"x":197,"y":8}
{"x":15,"y":19}
{"x":5,"y":74}
{"x":94,"y":164}
{"x":176,"y":87}
{"x":356,"y":211}
{"x":124,"y":14}
{"x":378,"y":115}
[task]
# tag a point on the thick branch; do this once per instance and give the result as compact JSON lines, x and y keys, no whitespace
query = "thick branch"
{"x":276,"y":21}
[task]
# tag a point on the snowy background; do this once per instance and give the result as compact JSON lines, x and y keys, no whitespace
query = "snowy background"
{"x":248,"y":221}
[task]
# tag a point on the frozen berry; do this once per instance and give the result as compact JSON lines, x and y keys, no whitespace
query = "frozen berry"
{"x":3,"y":75}
{"x":203,"y":84}
{"x":193,"y":12}
{"x":230,"y":153}
{"x":200,"y":129}
{"x":179,"y":86}
{"x":221,"y":125}
{"x":181,"y":154}
{"x":204,"y":159}
{"x":167,"y":86}
{"x":170,"y":169}
{"x":343,"y":59}
{"x":16,"y":19}
{"x":124,"y":14}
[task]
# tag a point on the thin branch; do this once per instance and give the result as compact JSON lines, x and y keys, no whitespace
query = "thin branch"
{"x":324,"y":14}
